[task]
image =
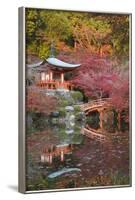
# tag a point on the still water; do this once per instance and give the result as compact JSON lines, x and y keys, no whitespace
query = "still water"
{"x":69,"y":154}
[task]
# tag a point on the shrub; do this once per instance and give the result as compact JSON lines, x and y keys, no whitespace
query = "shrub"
{"x":77,"y":109}
{"x":63,"y":103}
{"x":77,"y":96}
{"x":62,"y":112}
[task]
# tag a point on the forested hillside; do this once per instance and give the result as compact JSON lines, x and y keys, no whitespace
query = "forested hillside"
{"x":103,"y":34}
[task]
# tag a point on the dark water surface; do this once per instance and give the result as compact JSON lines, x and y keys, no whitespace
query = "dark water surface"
{"x":63,"y":155}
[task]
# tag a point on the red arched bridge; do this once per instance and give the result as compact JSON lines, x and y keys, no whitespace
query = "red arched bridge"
{"x":93,"y":134}
{"x":96,"y":105}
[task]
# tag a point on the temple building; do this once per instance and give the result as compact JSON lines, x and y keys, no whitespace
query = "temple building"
{"x":52,"y":73}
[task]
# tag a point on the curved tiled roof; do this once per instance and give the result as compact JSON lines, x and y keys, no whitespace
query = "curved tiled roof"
{"x":55,"y":62}
{"x":35,"y":64}
{"x":58,"y":63}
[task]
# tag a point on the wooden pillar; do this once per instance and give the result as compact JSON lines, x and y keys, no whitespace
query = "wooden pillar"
{"x":101,"y":118}
{"x":50,"y":158}
{"x":75,"y":44}
{"x":57,"y":85}
{"x":51,"y":75}
{"x":47,"y":77}
{"x":119,"y":120}
{"x":43,"y":76}
{"x":62,"y":77}
{"x":71,"y":87}
{"x":42,"y":158}
{"x":47,"y":158}
{"x":62,"y":156}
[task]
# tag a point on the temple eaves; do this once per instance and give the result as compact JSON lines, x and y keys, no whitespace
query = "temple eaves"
{"x":58,"y":63}
{"x":55,"y":62}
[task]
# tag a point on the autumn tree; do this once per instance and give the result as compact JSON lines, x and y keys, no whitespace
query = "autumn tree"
{"x":37,"y":101}
{"x":105,"y":34}
{"x":100,"y":77}
{"x":44,"y":27}
{"x":119,"y":36}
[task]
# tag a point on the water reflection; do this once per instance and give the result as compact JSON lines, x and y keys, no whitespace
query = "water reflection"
{"x":49,"y":154}
{"x":90,"y":151}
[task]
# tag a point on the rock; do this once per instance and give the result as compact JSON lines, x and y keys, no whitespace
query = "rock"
{"x":69,"y":108}
{"x":54,"y":121}
{"x":63,"y":171}
{"x":55,"y":114}
{"x":70,"y":131}
{"x":61,"y":120}
{"x":79,"y":164}
{"x":71,"y":117}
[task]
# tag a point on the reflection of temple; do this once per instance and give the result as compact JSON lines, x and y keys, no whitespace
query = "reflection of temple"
{"x":52,"y":73}
{"x":48,"y":154}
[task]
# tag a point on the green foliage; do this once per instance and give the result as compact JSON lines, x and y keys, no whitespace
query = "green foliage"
{"x":62,"y":112}
{"x":58,"y":26}
{"x":44,"y":27}
{"x":93,"y":120}
{"x":118,"y":178}
{"x":88,"y":31}
{"x":77,"y":109}
{"x":43,"y":51}
{"x":120,"y":36}
{"x":39,"y":183}
{"x":33,"y":47}
{"x":63,"y":103}
{"x":77,"y":96}
{"x":31,"y":24}
{"x":37,"y":122}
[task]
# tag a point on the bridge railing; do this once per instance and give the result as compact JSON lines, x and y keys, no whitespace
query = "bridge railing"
{"x":95,"y":103}
{"x":94,"y":135}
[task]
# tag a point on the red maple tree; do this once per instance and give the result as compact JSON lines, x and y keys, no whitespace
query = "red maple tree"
{"x":38,"y":101}
{"x":101,"y":77}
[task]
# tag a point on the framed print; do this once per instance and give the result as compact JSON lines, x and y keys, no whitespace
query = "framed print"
{"x":74,"y":100}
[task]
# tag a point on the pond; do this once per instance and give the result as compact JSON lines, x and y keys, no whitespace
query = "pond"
{"x":63,"y":154}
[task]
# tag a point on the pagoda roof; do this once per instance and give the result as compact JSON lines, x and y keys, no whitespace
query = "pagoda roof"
{"x":54,"y":62}
{"x":35,"y":64}
{"x":58,"y":63}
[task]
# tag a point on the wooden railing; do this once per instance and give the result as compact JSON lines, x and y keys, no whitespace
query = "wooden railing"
{"x":94,"y":134}
{"x":47,"y":155}
{"x":92,"y":105}
{"x":55,"y":84}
